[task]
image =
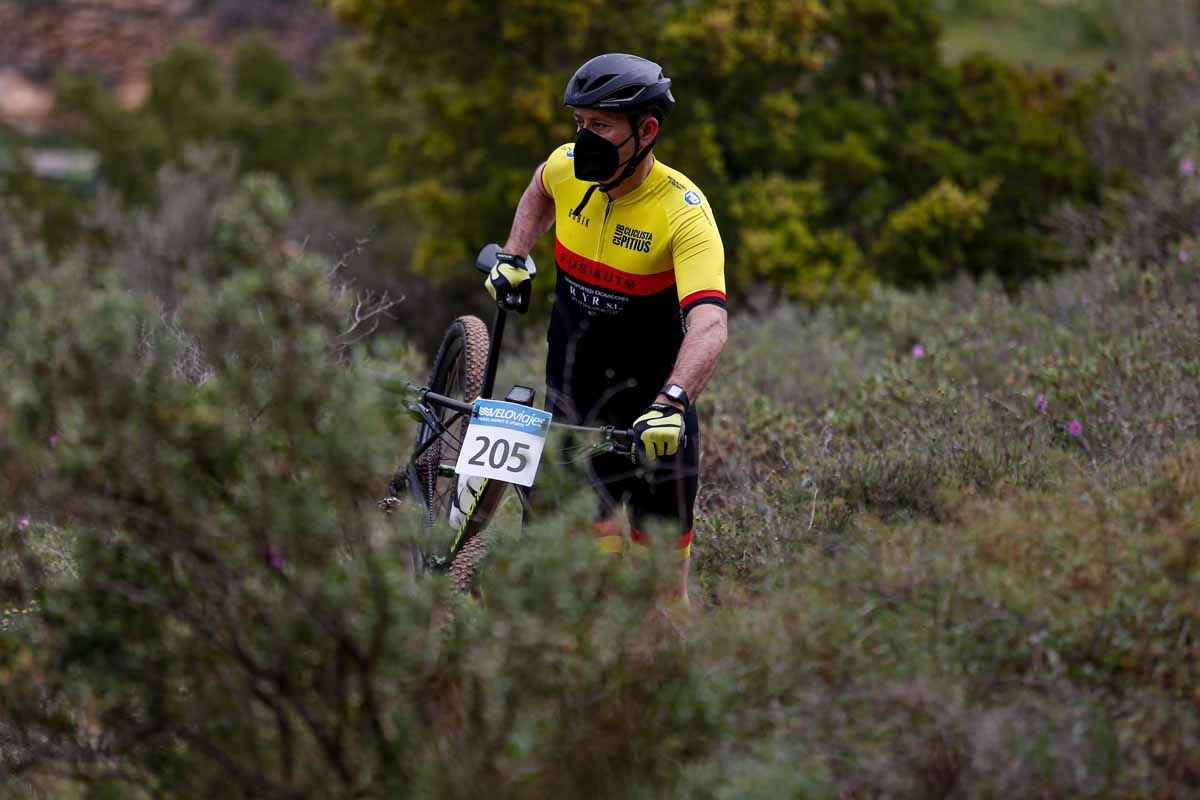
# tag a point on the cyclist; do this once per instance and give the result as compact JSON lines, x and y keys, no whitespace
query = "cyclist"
{"x":639,"y":318}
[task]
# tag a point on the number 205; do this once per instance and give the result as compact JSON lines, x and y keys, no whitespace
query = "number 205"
{"x":500,"y":454}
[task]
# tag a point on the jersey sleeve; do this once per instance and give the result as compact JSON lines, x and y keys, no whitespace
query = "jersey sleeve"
{"x":697,"y":252}
{"x":559,"y":167}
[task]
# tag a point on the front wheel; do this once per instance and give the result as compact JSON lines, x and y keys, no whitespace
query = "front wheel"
{"x":458,"y":371}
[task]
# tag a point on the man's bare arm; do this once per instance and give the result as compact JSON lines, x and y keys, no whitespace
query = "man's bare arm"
{"x":707,"y":330}
{"x":535,"y":215}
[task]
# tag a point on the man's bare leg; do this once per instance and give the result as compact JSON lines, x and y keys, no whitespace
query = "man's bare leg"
{"x":684,"y":568}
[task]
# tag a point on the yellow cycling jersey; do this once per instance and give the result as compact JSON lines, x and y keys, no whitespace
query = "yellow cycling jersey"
{"x":629,"y":271}
{"x":661,"y":235}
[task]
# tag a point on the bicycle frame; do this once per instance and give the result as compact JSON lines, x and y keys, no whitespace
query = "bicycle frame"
{"x":491,"y":492}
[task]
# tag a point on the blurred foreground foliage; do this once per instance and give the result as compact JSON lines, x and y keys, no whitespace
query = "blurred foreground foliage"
{"x":835,"y":143}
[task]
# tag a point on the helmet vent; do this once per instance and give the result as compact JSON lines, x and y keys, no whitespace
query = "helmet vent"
{"x":598,"y":82}
{"x":625,"y":95}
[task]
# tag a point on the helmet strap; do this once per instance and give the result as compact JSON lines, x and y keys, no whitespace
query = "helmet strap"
{"x":639,"y":155}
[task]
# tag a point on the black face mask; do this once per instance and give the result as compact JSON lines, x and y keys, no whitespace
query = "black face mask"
{"x":596,"y":158}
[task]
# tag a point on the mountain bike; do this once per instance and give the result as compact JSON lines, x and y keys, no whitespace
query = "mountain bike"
{"x":461,"y":382}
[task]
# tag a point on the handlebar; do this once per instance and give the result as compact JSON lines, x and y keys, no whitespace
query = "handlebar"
{"x":619,"y":435}
{"x":446,"y":402}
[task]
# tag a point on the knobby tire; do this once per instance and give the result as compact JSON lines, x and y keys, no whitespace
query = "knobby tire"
{"x":458,"y":372}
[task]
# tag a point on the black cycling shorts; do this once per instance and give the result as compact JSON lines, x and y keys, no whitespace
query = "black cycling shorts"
{"x":658,"y":491}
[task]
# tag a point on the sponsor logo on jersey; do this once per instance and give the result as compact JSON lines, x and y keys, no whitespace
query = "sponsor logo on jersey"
{"x":632,"y":238}
{"x":676,"y":184}
{"x":571,"y":153}
{"x":602,"y":276}
{"x":691,"y":198}
{"x":596,"y":301}
{"x":594,"y":272}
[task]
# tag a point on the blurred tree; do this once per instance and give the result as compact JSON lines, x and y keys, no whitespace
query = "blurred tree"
{"x":131,"y":146}
{"x":54,"y":203}
{"x":263,"y":119}
{"x":187,"y":95}
{"x":926,"y":239}
{"x":849,"y":96}
{"x":778,"y":242}
{"x":887,"y":121}
{"x":472,"y":136}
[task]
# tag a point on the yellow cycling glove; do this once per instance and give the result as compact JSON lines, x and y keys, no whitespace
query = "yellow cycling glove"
{"x":509,"y":283}
{"x":660,"y":430}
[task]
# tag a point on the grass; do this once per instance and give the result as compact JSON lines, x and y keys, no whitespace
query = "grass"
{"x":1082,"y":35}
{"x":1016,"y":42}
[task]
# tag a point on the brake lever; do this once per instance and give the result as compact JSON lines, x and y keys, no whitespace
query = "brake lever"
{"x":630,"y":445}
{"x":627,"y":445}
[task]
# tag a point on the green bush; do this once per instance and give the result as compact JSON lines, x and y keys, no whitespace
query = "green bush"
{"x":777,"y":244}
{"x":927,"y":239}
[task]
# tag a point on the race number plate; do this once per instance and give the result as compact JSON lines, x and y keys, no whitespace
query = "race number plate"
{"x":504,"y":441}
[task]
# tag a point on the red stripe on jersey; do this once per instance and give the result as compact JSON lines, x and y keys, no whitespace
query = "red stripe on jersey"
{"x":599,"y":274}
{"x":708,"y":294}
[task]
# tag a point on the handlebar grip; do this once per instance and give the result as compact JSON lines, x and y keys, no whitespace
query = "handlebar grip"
{"x":487,"y":259}
{"x":625,"y":435}
{"x":629,"y":436}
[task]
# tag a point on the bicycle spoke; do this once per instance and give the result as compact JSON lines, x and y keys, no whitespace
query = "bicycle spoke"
{"x":458,"y":442}
{"x":452,"y":443}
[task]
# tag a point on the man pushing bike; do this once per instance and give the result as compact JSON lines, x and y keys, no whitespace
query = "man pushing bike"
{"x":639,"y":317}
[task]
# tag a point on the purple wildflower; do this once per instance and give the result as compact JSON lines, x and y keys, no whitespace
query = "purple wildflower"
{"x":1075,"y":428}
{"x":918,"y":351}
{"x":1041,"y":402}
{"x":54,"y":440}
{"x":274,"y":557}
{"x":1187,"y":167}
{"x":23,"y":523}
{"x":1184,"y":256}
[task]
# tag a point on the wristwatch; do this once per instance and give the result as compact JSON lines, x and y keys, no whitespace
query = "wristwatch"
{"x":677,"y":393}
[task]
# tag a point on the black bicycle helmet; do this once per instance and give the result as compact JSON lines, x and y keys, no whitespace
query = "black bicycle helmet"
{"x":620,"y":82}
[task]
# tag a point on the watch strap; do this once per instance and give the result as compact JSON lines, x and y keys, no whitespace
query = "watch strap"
{"x":677,"y":393}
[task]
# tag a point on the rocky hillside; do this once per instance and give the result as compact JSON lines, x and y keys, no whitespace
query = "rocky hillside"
{"x":119,"y":39}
